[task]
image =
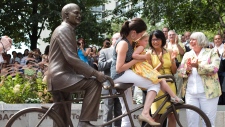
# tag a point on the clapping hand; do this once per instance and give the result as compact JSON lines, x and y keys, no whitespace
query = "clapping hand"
{"x":188,"y":65}
{"x":194,"y":62}
{"x":191,"y":62}
{"x":173,"y":55}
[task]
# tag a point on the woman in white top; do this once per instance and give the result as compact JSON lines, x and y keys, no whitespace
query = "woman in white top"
{"x":199,"y":69}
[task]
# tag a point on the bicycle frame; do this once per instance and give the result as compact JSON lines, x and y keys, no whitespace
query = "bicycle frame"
{"x":172,"y":108}
{"x":129,"y":112}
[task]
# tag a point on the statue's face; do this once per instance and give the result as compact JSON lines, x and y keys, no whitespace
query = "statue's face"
{"x":74,"y":16}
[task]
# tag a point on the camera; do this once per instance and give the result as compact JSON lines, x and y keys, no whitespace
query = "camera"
{"x":78,"y":43}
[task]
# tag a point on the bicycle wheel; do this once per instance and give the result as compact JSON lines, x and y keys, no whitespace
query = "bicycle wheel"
{"x":182,"y":119}
{"x":30,"y":117}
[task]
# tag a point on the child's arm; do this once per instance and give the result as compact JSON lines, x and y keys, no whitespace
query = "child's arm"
{"x":137,"y":53}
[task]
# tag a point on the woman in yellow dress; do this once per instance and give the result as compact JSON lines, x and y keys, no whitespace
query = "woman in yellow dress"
{"x":164,"y":62}
{"x":146,"y":70}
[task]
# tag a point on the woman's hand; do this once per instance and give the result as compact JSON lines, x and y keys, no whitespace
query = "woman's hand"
{"x":191,"y":62}
{"x":173,"y":55}
{"x":194,"y":62}
{"x":176,"y":39}
{"x":189,"y":67}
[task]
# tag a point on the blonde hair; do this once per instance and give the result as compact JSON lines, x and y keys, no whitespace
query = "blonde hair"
{"x":142,"y":37}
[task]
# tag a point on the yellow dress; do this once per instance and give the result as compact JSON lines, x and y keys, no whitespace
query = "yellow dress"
{"x":145,"y":70}
{"x":165,"y":70}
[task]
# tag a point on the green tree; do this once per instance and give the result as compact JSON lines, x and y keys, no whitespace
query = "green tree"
{"x":180,"y":15}
{"x":24,"y":20}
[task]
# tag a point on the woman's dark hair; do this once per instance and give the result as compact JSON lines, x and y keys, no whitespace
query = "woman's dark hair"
{"x":136,"y":24}
{"x":84,"y":43}
{"x":25,"y":52}
{"x":46,"y":50}
{"x":158,"y":34}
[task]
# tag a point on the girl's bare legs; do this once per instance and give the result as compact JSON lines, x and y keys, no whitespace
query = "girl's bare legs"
{"x":148,"y":103}
{"x":165,"y":87}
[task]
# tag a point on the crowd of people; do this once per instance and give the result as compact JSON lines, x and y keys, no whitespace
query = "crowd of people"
{"x":131,"y":56}
{"x":30,"y":62}
{"x":167,"y":52}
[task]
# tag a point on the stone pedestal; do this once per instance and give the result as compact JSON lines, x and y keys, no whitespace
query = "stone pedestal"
{"x":7,"y":110}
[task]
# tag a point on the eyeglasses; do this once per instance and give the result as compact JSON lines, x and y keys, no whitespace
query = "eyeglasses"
{"x":155,"y":39}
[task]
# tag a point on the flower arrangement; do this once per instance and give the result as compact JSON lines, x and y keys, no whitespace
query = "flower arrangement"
{"x":24,"y":89}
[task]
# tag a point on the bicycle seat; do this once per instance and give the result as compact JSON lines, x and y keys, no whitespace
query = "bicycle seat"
{"x":122,"y":86}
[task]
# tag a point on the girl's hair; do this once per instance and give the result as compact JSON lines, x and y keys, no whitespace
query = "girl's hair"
{"x":202,"y":40}
{"x":142,"y":37}
{"x":158,"y":34}
{"x":136,"y":24}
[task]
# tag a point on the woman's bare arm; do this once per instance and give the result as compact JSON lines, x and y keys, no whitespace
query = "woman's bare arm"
{"x":121,"y":49}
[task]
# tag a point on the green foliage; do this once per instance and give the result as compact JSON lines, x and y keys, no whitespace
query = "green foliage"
{"x":180,"y":15}
{"x":24,"y":20}
{"x":24,"y":89}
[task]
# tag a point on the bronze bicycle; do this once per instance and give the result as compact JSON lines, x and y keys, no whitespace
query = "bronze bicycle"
{"x":48,"y":117}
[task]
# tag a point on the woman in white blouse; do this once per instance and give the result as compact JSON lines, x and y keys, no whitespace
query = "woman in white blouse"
{"x":199,"y":69}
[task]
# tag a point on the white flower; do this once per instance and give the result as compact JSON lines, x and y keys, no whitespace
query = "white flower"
{"x":16,"y":88}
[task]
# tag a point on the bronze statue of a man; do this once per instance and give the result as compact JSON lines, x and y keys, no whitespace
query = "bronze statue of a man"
{"x":67,"y":73}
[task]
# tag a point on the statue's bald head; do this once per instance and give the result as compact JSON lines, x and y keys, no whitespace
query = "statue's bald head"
{"x":68,"y":8}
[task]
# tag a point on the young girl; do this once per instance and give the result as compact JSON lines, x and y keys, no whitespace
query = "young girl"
{"x":146,"y":70}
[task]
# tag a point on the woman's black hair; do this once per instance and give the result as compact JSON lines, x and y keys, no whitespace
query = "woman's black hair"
{"x":158,"y":34}
{"x":46,"y":50}
{"x":136,"y":24}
